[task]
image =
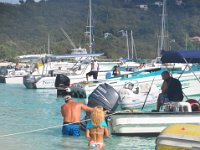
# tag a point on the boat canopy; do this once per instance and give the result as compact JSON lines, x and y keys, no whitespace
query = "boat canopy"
{"x":75,"y":55}
{"x":181,"y":56}
{"x":53,"y":57}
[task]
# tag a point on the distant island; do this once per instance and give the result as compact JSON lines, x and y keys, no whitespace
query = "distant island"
{"x":25,"y":27}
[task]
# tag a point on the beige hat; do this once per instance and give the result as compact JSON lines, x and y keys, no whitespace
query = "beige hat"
{"x":68,"y":97}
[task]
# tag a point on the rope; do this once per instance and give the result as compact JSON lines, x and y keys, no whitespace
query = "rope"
{"x":42,"y":129}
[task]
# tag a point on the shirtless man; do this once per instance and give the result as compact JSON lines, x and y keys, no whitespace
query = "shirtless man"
{"x":71,"y":112}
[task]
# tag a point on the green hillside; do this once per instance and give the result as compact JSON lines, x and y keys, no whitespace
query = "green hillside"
{"x":24,"y":27}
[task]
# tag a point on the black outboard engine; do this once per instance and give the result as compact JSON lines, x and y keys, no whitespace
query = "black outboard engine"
{"x":3,"y":73}
{"x":29,"y":81}
{"x":105,"y":96}
{"x":62,"y":84}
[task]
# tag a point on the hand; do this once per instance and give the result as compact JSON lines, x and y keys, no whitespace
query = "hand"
{"x":106,"y":111}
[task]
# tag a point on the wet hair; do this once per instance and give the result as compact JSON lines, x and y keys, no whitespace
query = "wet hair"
{"x":97,"y":116}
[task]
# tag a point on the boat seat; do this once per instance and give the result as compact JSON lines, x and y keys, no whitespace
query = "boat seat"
{"x":177,"y":107}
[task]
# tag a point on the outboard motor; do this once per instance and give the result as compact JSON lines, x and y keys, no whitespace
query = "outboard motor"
{"x":3,"y":73}
{"x":104,"y":95}
{"x":29,"y":81}
{"x":62,"y":84}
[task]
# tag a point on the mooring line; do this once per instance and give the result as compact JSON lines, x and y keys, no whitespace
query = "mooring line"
{"x":42,"y":129}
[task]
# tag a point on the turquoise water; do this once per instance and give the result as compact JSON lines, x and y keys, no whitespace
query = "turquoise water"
{"x":23,"y":110}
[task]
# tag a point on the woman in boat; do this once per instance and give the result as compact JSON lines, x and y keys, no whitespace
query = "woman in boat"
{"x":96,"y":129}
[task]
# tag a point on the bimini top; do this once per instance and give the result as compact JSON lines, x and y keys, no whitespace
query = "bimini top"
{"x":181,"y":56}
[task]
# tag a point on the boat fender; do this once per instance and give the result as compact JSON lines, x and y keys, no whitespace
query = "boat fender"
{"x":68,"y":89}
{"x":194,"y":104}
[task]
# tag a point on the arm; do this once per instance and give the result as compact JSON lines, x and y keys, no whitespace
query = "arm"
{"x":164,"y":87}
{"x":86,"y":108}
{"x":61,"y":110}
{"x":87,"y":134}
{"x":106,"y":133}
{"x":98,"y":67}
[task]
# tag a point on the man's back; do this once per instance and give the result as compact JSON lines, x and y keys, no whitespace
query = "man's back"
{"x":71,"y":111}
{"x":174,"y":90}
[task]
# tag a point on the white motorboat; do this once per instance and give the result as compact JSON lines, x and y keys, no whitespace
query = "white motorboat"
{"x":12,"y":76}
{"x":142,"y":81}
{"x":84,"y":89}
{"x":151,"y":123}
{"x":135,"y":92}
{"x":134,"y":95}
{"x":76,"y":72}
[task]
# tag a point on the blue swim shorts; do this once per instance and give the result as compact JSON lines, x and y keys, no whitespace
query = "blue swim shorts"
{"x":71,"y":129}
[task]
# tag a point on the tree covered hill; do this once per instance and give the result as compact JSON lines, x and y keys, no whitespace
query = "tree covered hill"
{"x":24,"y":27}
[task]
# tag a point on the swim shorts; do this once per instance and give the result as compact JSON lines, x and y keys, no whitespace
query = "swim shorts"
{"x":71,"y":129}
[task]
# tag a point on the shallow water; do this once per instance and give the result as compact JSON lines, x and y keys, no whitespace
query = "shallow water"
{"x":23,"y":110}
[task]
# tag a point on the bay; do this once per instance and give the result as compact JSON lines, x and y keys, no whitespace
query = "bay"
{"x":31,"y":119}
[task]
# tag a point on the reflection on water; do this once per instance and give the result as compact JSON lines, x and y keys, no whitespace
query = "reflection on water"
{"x":24,"y":110}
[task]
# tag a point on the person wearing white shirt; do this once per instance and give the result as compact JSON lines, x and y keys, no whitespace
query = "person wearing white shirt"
{"x":94,"y":70}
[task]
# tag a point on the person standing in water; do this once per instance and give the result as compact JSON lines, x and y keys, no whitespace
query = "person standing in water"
{"x":97,"y":129}
{"x":71,"y":112}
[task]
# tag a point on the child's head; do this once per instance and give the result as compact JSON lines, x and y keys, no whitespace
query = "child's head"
{"x":97,"y":116}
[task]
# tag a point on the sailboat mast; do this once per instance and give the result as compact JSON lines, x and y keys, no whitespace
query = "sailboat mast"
{"x":133,"y":46}
{"x":90,"y":25}
{"x":163,"y":28}
{"x":48,"y":44}
{"x":127,"y":44}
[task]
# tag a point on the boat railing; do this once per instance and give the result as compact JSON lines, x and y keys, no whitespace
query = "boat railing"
{"x":177,"y":107}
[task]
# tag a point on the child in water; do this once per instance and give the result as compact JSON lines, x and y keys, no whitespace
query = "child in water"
{"x":97,"y":129}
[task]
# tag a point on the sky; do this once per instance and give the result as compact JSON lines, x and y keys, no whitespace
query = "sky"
{"x":13,"y":1}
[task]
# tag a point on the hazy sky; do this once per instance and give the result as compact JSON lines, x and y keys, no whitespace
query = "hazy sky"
{"x":14,"y":1}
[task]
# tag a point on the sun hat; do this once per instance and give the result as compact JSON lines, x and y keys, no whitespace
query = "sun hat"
{"x":68,"y":97}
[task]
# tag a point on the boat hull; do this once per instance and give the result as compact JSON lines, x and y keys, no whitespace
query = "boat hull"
{"x":149,"y":123}
{"x":179,"y":137}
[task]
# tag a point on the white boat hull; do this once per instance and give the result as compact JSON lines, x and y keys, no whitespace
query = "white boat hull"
{"x":149,"y":123}
{"x":189,"y":83}
{"x":14,"y":80}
